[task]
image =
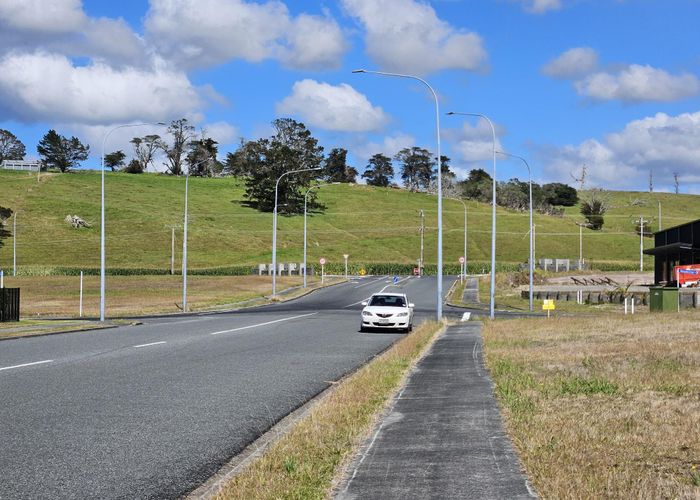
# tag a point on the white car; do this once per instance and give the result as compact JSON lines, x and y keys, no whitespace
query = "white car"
{"x":387,"y":311}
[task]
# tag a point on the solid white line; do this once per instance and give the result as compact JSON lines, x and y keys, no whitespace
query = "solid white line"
{"x":152,"y":343}
{"x":355,"y":303}
{"x":27,"y":364}
{"x":263,"y":324}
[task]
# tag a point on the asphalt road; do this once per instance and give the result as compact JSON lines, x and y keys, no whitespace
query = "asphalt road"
{"x":152,"y":411}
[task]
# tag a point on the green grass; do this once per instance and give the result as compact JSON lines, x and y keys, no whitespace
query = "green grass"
{"x":370,"y":224}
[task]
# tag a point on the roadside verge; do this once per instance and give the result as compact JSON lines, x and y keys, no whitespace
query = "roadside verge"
{"x":306,"y":460}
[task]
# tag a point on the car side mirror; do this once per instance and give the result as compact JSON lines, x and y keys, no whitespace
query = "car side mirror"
{"x":411,"y":305}
{"x":364,"y":302}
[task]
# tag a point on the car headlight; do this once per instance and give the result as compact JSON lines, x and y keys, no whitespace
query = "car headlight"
{"x":366,"y":313}
{"x":402,"y":314}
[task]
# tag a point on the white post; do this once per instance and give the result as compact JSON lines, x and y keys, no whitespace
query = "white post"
{"x":172,"y":252}
{"x":632,"y":304}
{"x":641,"y":243}
{"x":80,"y":312}
{"x":322,"y":273}
{"x":345,"y":256}
{"x":625,"y":306}
{"x":14,"y":246}
{"x":580,"y":247}
{"x":2,"y":278}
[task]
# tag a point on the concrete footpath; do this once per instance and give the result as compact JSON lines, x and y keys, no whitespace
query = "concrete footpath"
{"x":443,"y":436}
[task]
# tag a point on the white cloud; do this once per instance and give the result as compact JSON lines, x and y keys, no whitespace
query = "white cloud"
{"x":407,"y":36}
{"x":661,"y":143}
{"x":474,"y":143}
{"x":363,"y":150}
{"x":332,"y":107}
{"x":56,"y":16}
{"x":637,"y":83}
{"x":221,"y":132}
{"x":220,"y":30}
{"x":540,"y":6}
{"x":575,"y":62}
{"x":48,"y":87}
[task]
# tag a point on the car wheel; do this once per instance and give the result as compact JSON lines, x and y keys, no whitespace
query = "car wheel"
{"x":362,"y":329}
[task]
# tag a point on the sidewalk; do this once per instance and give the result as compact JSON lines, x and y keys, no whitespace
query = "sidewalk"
{"x":443,"y":436}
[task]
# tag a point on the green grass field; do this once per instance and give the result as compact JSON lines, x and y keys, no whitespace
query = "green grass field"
{"x":370,"y":224}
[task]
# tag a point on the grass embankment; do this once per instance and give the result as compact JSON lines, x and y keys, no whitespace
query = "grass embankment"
{"x":370,"y":224}
{"x":26,"y":328}
{"x":305,"y":462}
{"x":605,"y":407}
{"x":135,"y":295}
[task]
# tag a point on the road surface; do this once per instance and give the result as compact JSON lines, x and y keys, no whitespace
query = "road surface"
{"x":154,"y":410}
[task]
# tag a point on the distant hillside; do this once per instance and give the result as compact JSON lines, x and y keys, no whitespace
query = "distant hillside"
{"x":370,"y":224}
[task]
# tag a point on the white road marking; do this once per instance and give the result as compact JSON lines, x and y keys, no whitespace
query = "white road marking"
{"x":152,"y":343}
{"x":27,"y":364}
{"x":355,"y":303}
{"x":263,"y":324}
{"x":370,"y":282}
{"x":397,"y":283}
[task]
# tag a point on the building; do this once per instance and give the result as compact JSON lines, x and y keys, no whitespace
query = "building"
{"x":29,"y":166}
{"x":675,"y":246}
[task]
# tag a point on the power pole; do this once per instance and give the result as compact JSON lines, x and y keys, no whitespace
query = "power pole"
{"x":675,"y":181}
{"x":14,"y":245}
{"x":651,"y":181}
{"x":422,"y":235}
{"x":642,"y":221}
{"x":582,"y":179}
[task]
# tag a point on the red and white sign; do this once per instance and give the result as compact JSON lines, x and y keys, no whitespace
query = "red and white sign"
{"x":322,"y":261}
{"x":461,"y":260}
{"x":688,"y":275}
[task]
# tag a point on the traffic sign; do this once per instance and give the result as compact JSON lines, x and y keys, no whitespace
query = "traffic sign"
{"x":363,"y":271}
{"x":345,"y":256}
{"x":322,"y":261}
{"x":396,"y":279}
{"x":461,"y":260}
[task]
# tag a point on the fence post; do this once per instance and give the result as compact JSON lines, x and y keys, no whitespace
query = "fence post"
{"x":81,"y":294}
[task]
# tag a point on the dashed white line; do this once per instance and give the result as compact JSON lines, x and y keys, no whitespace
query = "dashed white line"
{"x":263,"y":324}
{"x":152,"y":343}
{"x":369,"y":283}
{"x":27,"y":364}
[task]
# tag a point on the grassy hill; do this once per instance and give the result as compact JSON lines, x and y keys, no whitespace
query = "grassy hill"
{"x":370,"y":224}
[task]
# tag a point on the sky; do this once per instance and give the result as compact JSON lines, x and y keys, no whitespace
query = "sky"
{"x":612,"y":86}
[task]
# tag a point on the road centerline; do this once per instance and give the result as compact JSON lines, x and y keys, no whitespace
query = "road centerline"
{"x":263,"y":324}
{"x":27,"y":364}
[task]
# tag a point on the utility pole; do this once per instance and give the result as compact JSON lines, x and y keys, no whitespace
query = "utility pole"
{"x":642,"y":221}
{"x":422,"y":236}
{"x":659,"y":216}
{"x":651,"y":181}
{"x":675,"y":181}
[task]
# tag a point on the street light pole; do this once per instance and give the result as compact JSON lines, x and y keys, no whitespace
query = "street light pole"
{"x":531,"y":263}
{"x":184,"y":235}
{"x":492,"y":294}
{"x":439,"y":178}
{"x":102,"y":212}
{"x":465,"y":232}
{"x":274,"y":227}
{"x":306,"y":198}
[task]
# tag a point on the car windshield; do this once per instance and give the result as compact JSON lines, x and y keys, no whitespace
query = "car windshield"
{"x":388,"y":301}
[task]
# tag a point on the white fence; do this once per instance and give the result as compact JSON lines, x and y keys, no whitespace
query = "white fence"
{"x":28,"y":166}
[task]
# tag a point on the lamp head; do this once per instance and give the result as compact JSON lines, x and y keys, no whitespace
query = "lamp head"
{"x":359,"y":71}
{"x":161,"y":123}
{"x":450,"y":113}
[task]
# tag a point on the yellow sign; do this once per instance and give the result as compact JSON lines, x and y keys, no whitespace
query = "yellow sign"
{"x":362,"y":271}
{"x":548,"y":305}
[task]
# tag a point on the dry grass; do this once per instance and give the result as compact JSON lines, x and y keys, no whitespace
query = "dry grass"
{"x":133,"y":295}
{"x":303,"y":463}
{"x":604,"y":407}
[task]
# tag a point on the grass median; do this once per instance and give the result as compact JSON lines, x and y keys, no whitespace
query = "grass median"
{"x":602,"y":407}
{"x":306,"y":461}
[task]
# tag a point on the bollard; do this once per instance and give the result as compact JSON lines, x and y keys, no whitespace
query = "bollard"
{"x":625,"y":306}
{"x":81,"y":295}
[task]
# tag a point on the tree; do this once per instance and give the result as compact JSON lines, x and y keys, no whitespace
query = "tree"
{"x":379,"y":171}
{"x":61,"y":153}
{"x":416,"y":167}
{"x":201,"y":158}
{"x":5,"y":213}
{"x":182,"y":133}
{"x":115,"y":160}
{"x":292,"y":147}
{"x":243,"y":161}
{"x":145,"y":148}
{"x":134,"y":167}
{"x":513,"y":194}
{"x":11,"y":148}
{"x":558,"y":194}
{"x":594,"y":207}
{"x":336,"y":169}
{"x":478,"y":186}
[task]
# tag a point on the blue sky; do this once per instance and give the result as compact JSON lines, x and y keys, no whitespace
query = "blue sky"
{"x":610,"y":84}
